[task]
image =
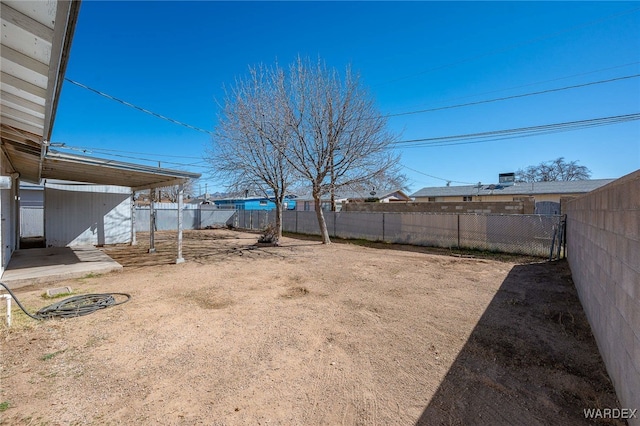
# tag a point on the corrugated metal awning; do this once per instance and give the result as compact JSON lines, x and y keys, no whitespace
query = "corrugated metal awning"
{"x":109,"y":172}
{"x":35,"y":43}
{"x":36,"y":37}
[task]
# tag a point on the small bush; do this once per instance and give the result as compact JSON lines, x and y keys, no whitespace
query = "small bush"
{"x":269,"y":235}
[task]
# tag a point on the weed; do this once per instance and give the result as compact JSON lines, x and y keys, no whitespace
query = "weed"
{"x":92,"y":275}
{"x":47,"y":357}
{"x":295,"y":292}
{"x":4,"y":405}
{"x":19,"y":321}
{"x":57,"y":296}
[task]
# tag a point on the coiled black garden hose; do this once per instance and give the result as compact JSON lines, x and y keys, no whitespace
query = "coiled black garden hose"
{"x":75,"y":306}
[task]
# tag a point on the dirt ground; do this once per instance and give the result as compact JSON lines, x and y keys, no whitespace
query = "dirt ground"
{"x":306,"y":334}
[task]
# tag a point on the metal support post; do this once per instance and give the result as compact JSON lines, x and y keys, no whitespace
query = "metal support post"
{"x":134,"y":241}
{"x":180,"y":259}
{"x":152,"y":221}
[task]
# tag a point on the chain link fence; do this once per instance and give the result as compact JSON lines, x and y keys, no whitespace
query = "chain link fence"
{"x":192,"y":218}
{"x":523,"y":234}
{"x":253,"y":219}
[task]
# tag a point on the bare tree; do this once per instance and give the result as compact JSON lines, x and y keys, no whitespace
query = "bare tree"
{"x":249,"y":144}
{"x":391,"y":179}
{"x":339,"y":138}
{"x":554,"y":170}
{"x":171,"y":192}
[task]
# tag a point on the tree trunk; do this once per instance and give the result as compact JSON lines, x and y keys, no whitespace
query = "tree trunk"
{"x":321,"y":222}
{"x":279,"y":204}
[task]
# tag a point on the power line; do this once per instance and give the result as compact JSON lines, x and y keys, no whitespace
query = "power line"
{"x":97,"y":149}
{"x":517,"y":132}
{"x":511,"y":47}
{"x":434,"y":177}
{"x":522,"y":95}
{"x":543,"y":81}
{"x":469,"y":138}
{"x":146,"y":111}
{"x":198,"y":164}
{"x":626,"y":117}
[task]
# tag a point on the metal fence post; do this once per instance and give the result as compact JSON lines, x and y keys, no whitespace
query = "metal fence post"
{"x":383,"y":216}
{"x":133,"y":220}
{"x":179,"y":258}
{"x":335,"y":219}
{"x":152,"y":221}
{"x":458,"y":231}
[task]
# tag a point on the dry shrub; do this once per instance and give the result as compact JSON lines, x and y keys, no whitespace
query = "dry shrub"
{"x":269,"y":235}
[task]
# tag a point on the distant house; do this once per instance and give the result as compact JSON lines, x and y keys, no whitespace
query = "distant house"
{"x":201,"y":199}
{"x":254,"y":203}
{"x":305,"y":202}
{"x":546,"y":195}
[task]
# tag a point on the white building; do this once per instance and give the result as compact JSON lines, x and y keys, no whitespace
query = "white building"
{"x":36,"y":41}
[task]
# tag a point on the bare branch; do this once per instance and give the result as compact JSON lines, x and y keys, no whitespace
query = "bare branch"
{"x":554,"y":170}
{"x":309,"y":124}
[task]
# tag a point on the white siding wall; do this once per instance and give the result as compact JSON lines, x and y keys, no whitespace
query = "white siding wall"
{"x":82,"y":214}
{"x":8,"y":219}
{"x":31,"y":197}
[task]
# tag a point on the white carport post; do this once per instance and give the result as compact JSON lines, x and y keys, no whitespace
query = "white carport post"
{"x":17,"y":209}
{"x":180,"y":259}
{"x":152,"y":221}
{"x":134,"y":241}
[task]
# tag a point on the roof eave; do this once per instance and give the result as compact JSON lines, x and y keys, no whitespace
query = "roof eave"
{"x":152,"y":177}
{"x":66,"y":12}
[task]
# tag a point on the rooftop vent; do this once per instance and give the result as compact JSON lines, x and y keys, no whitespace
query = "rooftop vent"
{"x":507,"y":179}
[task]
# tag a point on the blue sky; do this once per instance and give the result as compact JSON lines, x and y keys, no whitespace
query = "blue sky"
{"x":174,"y":58}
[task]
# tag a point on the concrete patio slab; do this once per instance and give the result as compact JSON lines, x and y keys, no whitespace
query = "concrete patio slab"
{"x":45,"y":265}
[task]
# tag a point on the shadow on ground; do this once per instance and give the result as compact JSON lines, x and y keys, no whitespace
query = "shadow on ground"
{"x":198,"y":246}
{"x":530,"y":360}
{"x":442,"y":251}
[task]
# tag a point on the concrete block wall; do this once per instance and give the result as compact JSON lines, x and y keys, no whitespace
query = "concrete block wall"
{"x":603,"y":249}
{"x":496,"y":207}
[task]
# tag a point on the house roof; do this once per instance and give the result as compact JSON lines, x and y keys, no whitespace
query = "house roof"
{"x":343,"y":194}
{"x":240,"y":199}
{"x":523,"y":189}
